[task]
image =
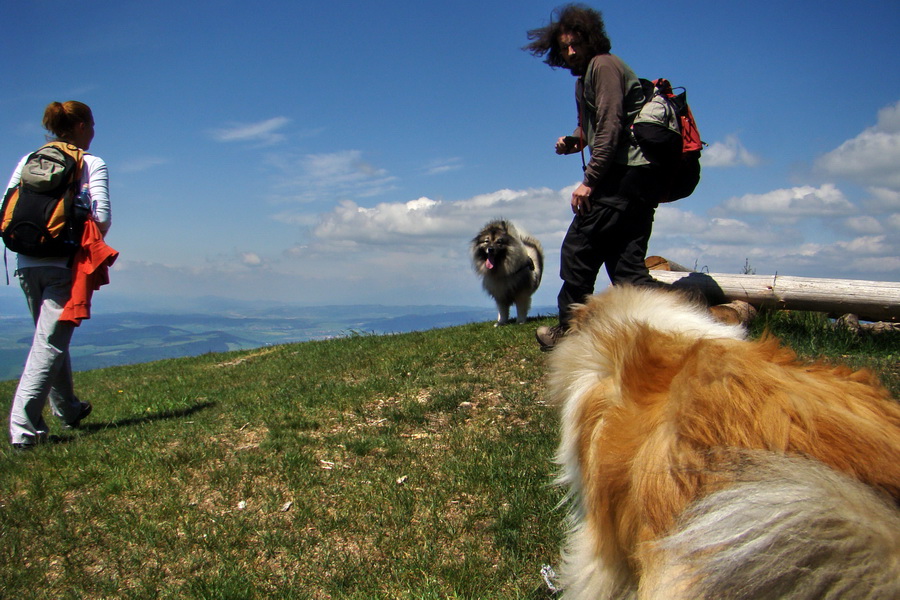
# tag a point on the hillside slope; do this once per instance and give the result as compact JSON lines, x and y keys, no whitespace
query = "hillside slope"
{"x":415,"y":465}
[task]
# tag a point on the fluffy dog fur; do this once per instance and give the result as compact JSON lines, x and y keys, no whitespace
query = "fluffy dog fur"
{"x":703,"y":465}
{"x":510,"y":265}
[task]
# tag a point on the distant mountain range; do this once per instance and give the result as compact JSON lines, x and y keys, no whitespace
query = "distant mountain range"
{"x":110,"y":339}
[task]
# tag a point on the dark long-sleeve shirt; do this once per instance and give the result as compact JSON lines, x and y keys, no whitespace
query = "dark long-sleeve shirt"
{"x":609,"y":96}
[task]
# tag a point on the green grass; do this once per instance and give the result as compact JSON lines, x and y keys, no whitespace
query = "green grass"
{"x":411,"y":466}
{"x":815,"y":337}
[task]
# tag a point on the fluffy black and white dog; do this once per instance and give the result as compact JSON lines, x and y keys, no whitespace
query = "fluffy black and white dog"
{"x":510,"y":265}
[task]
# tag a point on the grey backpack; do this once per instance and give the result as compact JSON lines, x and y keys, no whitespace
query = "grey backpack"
{"x":39,"y":217}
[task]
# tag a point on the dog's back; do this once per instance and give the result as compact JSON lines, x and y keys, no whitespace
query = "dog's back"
{"x":536,"y":253}
{"x":787,"y":527}
{"x":671,"y":422}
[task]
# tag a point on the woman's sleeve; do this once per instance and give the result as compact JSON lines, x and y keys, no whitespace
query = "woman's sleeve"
{"x":99,"y":186}
{"x":17,"y":175}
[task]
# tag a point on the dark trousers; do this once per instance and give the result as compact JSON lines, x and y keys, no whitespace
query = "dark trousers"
{"x":615,"y":233}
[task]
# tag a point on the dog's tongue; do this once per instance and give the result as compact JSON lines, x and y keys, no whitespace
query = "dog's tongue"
{"x":489,"y":264}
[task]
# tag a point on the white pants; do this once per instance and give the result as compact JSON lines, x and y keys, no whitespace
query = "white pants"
{"x":48,"y":369}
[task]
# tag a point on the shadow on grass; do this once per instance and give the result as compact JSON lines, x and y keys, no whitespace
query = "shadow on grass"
{"x":91,"y":428}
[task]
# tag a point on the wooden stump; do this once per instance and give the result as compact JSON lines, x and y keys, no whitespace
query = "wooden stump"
{"x":868,"y":300}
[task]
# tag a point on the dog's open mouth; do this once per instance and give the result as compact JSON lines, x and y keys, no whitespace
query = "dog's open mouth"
{"x":488,"y":263}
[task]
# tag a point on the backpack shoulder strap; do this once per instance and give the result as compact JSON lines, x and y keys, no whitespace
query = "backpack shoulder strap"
{"x":77,"y":155}
{"x":72,"y":150}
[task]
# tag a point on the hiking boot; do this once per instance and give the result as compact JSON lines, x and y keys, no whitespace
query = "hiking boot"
{"x":548,"y":337}
{"x":86,"y":409}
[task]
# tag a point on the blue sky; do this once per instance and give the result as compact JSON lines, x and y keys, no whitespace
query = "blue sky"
{"x":342,"y":152}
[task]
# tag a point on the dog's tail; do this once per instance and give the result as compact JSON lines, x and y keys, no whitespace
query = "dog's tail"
{"x":787,"y":528}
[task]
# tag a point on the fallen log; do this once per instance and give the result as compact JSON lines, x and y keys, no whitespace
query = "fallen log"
{"x":735,"y":312}
{"x":868,"y":300}
{"x":664,"y":264}
{"x":851,"y":323}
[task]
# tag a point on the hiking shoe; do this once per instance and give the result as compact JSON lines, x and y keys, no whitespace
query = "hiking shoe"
{"x":86,"y":409}
{"x":548,"y":337}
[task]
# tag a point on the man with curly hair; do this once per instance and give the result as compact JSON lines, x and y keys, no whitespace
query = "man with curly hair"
{"x":615,"y":203}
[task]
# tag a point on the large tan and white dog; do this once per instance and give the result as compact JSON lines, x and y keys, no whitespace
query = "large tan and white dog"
{"x":703,"y":465}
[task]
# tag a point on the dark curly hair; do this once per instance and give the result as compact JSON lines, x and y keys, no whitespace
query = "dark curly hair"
{"x":578,"y":19}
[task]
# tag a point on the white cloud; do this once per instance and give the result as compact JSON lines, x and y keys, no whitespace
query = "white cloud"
{"x":671,"y":220}
{"x":384,"y":223}
{"x":251,"y":259}
{"x":867,"y":257}
{"x":790,"y":204}
{"x":893,"y":221}
{"x":889,"y":118}
{"x":730,"y":153}
{"x":674,"y":224}
{"x":536,"y":211}
{"x":866,"y":245}
{"x":416,"y":251}
{"x":438,"y":167}
{"x":864,"y":224}
{"x":871,"y":158}
{"x":884,"y":199}
{"x":735,"y":232}
{"x":804,"y":231}
{"x":328,"y":177}
{"x":880,"y":265}
{"x":263,"y":133}
{"x":336,"y":166}
{"x":714,"y":244}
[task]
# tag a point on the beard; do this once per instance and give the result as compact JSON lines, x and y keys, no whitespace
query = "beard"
{"x":578,"y":70}
{"x":578,"y":65}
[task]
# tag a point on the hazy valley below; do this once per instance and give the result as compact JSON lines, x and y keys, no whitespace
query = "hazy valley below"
{"x":119,"y":338}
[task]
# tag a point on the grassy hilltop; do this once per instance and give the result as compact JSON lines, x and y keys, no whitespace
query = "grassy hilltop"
{"x":403,"y":466}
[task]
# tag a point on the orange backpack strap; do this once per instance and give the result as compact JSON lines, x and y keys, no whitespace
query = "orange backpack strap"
{"x":75,"y":152}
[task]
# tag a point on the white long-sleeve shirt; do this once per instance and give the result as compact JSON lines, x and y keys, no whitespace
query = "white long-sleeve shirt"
{"x":95,"y":174}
